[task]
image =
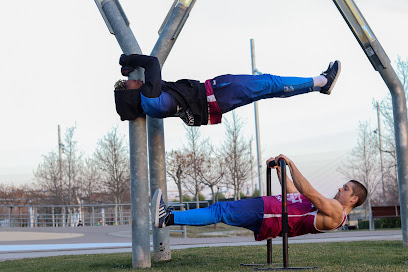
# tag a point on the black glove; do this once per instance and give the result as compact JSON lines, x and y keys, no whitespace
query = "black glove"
{"x":126,"y":70}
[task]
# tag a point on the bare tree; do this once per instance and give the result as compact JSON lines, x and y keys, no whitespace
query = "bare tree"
{"x":235,"y":153}
{"x":48,"y":178}
{"x":112,"y":158}
{"x":90,"y":180}
{"x":12,"y":201}
{"x":362,"y":163}
{"x":13,"y":195}
{"x":194,"y":151}
{"x":402,"y":72}
{"x":72,"y":163}
{"x":388,"y":136}
{"x":176,"y":163}
{"x":212,"y":171}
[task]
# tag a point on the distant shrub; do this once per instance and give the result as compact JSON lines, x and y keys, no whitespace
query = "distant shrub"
{"x":382,"y":223}
{"x":186,"y":198}
{"x":201,"y":197}
{"x":219,"y":196}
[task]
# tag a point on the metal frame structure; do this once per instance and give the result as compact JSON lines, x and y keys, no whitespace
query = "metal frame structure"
{"x":118,"y":25}
{"x":285,"y":224}
{"x":381,"y":63}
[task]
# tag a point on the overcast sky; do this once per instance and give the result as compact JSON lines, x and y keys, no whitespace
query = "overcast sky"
{"x":59,"y":64}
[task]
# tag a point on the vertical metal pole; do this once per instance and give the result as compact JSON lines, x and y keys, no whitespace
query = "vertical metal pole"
{"x":53,"y":216}
{"x":121,"y":214}
{"x":63,"y":217}
{"x":30,"y":214}
{"x":252,"y":169}
{"x":284,"y":215}
{"x":103,"y":216}
{"x":381,"y":153}
{"x":9,"y":216}
{"x":380,"y":61}
{"x":258,"y":138}
{"x":70,"y":216}
{"x":118,"y":25}
{"x":269,"y":193}
{"x":258,"y":148}
{"x":93,"y":216}
{"x":371,"y":225}
{"x":35,"y":217}
{"x":155,"y":130}
{"x":60,"y":156}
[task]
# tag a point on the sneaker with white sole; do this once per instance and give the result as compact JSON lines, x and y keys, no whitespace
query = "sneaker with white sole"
{"x":332,"y":73}
{"x":160,"y":212}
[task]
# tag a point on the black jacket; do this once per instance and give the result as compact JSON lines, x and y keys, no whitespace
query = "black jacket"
{"x":192,"y":97}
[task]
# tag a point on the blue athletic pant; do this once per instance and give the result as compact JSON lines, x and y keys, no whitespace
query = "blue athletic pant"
{"x":232,"y":91}
{"x":246,"y":213}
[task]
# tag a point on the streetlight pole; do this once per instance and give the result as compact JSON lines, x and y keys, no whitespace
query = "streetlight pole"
{"x":258,"y":137}
{"x":252,"y":170}
{"x":60,"y":154}
{"x":381,"y":63}
{"x":60,"y":147}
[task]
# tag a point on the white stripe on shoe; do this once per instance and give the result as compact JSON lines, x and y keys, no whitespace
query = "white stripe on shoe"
{"x":156,"y":208}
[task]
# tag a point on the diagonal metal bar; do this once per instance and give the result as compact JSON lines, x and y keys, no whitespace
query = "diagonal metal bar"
{"x":118,"y":25}
{"x":157,"y":154}
{"x":378,"y":58}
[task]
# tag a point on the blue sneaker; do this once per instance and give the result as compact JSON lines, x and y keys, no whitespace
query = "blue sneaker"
{"x":160,"y":212}
{"x":332,"y":73}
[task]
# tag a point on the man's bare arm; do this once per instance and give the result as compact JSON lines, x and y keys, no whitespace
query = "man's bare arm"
{"x":328,"y":207}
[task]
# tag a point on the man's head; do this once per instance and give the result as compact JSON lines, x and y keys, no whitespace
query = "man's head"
{"x":130,"y":84}
{"x":353,"y":193}
{"x":360,"y":191}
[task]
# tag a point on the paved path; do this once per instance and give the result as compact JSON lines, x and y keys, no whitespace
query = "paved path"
{"x":18,"y":243}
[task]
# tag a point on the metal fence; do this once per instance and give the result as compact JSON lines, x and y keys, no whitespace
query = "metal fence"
{"x":65,"y":215}
{"x":76,"y":215}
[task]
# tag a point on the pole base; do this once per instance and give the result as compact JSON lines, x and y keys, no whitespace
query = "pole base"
{"x":271,"y":267}
{"x":242,"y":264}
{"x":285,"y":268}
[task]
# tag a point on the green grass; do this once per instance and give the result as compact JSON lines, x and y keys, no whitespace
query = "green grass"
{"x":347,"y":256}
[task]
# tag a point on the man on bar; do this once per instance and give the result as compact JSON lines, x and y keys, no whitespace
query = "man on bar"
{"x":204,"y":103}
{"x":308,"y":210}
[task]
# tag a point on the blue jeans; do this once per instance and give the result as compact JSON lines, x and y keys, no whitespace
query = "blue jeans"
{"x":246,"y":213}
{"x":233,"y":91}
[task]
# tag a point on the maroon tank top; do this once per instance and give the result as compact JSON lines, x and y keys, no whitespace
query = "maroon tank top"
{"x":301,"y":217}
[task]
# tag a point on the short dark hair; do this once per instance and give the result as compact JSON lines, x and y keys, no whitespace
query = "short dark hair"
{"x":120,"y":84}
{"x":360,"y":191}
